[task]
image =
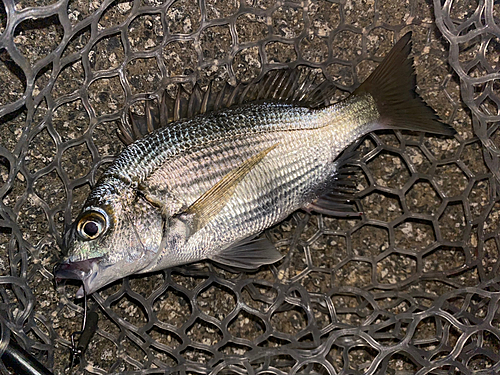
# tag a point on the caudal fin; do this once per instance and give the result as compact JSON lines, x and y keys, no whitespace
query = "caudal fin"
{"x":392,"y":86}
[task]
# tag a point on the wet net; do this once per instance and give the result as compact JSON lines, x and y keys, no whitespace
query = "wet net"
{"x":411,"y":287}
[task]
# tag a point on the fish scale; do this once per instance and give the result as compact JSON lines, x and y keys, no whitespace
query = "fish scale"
{"x":195,"y":163}
{"x":282,"y":182}
{"x":142,"y":158}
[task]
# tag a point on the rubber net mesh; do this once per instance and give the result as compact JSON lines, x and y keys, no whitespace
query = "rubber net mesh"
{"x":409,"y":287}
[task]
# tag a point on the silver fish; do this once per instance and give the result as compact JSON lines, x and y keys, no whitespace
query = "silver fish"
{"x":205,"y":187}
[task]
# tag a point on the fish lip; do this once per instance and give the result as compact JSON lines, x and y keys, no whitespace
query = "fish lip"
{"x":79,"y":270}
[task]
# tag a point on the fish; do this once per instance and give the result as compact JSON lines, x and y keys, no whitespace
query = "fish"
{"x":207,"y":186}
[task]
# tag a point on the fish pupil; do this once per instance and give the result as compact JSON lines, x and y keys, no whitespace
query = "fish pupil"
{"x":91,"y":228}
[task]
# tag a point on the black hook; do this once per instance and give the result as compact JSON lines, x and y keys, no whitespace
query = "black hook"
{"x":89,"y":328}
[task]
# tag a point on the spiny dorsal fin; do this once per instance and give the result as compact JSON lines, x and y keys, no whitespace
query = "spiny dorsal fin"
{"x":291,"y":86}
{"x":392,"y":85}
{"x":210,"y":203}
{"x":139,"y":125}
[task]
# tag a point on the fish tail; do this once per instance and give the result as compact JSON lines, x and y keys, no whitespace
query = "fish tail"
{"x":392,"y":86}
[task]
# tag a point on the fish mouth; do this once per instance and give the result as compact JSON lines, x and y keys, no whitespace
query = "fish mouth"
{"x":74,"y":270}
{"x":81,"y":270}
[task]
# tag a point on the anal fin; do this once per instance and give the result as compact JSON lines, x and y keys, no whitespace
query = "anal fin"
{"x":333,"y":205}
{"x":337,"y":197}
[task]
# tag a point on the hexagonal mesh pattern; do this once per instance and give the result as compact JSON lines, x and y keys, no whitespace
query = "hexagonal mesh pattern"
{"x":409,"y":287}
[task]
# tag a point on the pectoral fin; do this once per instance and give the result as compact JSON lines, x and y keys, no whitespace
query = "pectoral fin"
{"x":213,"y":200}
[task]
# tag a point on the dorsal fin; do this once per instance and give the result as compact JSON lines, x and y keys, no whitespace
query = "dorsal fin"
{"x":291,"y":86}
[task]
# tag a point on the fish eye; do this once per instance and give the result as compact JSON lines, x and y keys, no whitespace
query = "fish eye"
{"x":91,"y":228}
{"x":91,"y":225}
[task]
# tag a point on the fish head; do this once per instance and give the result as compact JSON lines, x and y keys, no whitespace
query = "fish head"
{"x":114,"y":236}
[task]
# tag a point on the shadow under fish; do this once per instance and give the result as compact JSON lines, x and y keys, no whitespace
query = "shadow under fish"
{"x":205,"y":186}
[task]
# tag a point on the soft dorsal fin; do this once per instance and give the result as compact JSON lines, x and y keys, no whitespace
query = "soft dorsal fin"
{"x":213,"y":200}
{"x":291,"y":86}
